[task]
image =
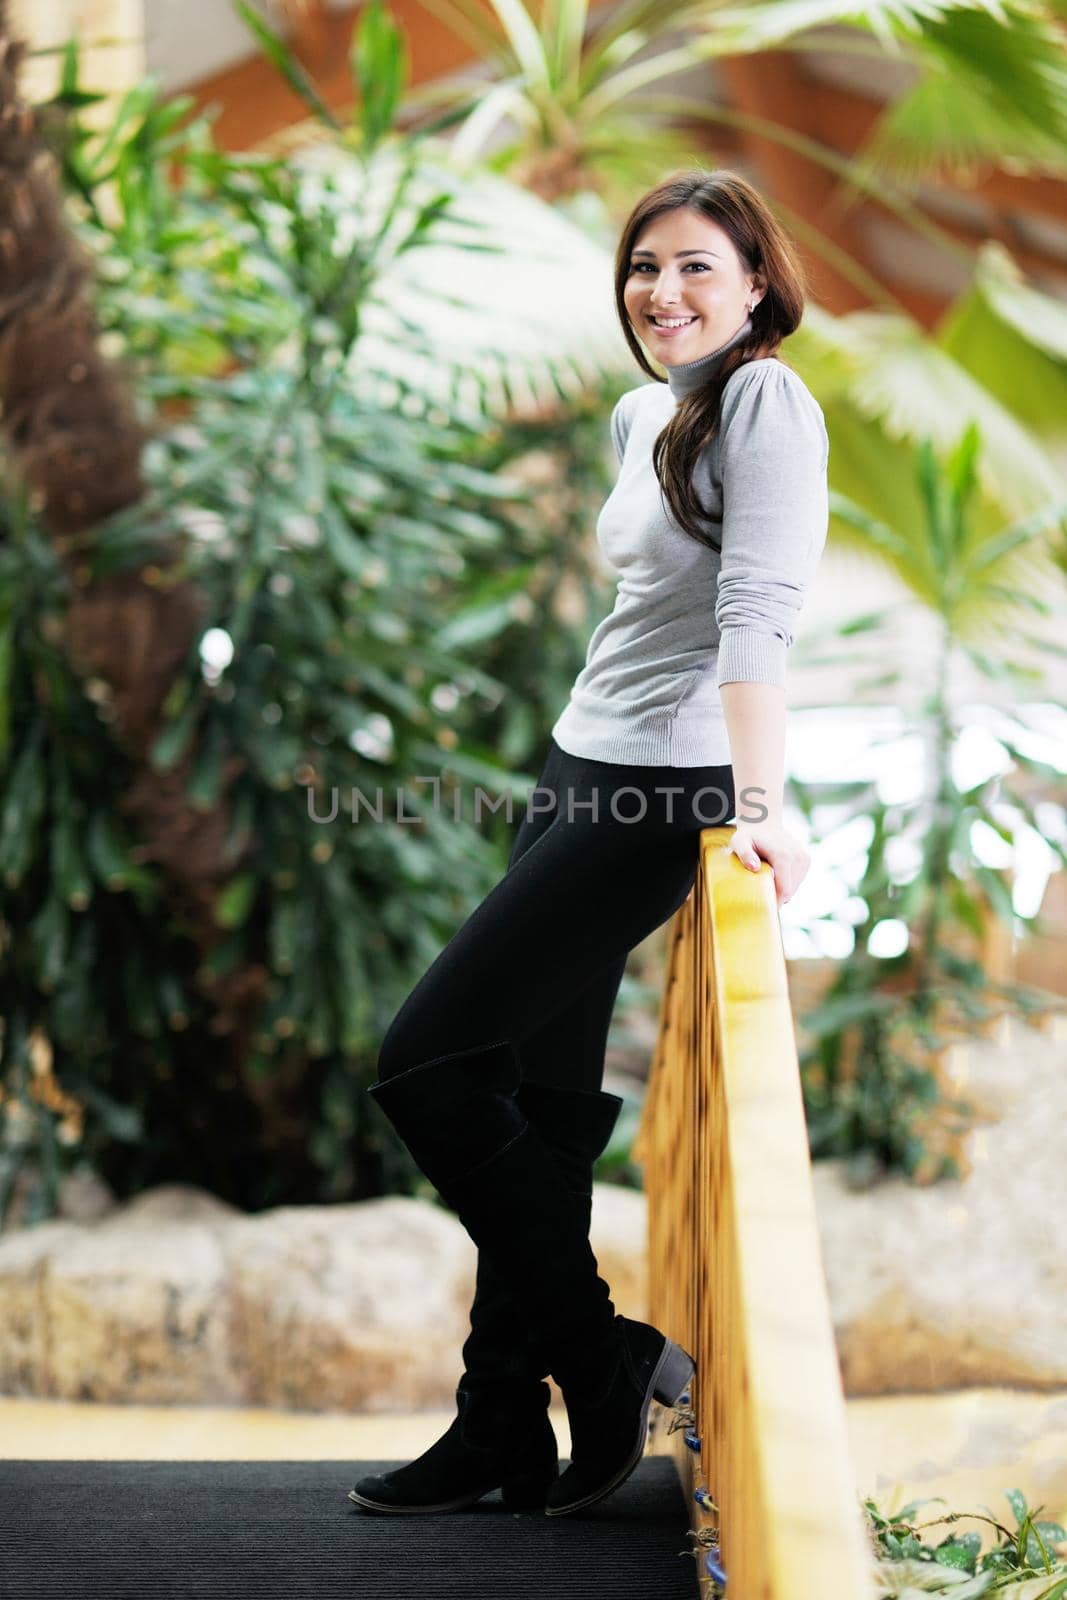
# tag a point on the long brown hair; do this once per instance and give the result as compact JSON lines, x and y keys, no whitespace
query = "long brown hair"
{"x":725,"y":198}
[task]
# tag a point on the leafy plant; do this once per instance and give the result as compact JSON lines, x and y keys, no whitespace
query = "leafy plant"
{"x":870,"y":1071}
{"x":1024,"y":1562}
{"x":574,"y":103}
{"x":194,"y":988}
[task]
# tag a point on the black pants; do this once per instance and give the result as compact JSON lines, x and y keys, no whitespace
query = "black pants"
{"x":604,"y":855}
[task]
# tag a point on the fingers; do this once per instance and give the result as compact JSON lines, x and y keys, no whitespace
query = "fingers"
{"x":748,"y":857}
{"x":788,"y":867}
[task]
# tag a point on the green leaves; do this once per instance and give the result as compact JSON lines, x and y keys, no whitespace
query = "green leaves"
{"x":494,"y":604}
{"x":1012,"y":337}
{"x":108,"y":851}
{"x":23,"y":808}
{"x":281,"y":57}
{"x":933,"y":861}
{"x":372,"y":576}
{"x":960,"y":1550}
{"x":980,"y":576}
{"x":379,"y":61}
{"x":1019,"y":1564}
{"x":234,"y":902}
{"x":995,"y":90}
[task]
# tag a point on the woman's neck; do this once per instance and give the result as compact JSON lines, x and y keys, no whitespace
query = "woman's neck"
{"x":690,"y":375}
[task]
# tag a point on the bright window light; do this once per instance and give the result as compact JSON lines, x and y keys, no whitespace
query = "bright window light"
{"x":216,"y":653}
{"x":888,"y":938}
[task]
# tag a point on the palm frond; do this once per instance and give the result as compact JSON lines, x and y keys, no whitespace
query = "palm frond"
{"x":503,"y":100}
{"x":626,"y":80}
{"x":894,"y":376}
{"x":765,"y":24}
{"x":527,"y":45}
{"x":280,"y":56}
{"x":632,"y":154}
{"x":962,"y":564}
{"x":822,"y":155}
{"x":468,"y":21}
{"x":1012,"y":339}
{"x":619,"y":33}
{"x":564,"y":26}
{"x":992,"y":77}
{"x":989,"y":94}
{"x":495,"y":247}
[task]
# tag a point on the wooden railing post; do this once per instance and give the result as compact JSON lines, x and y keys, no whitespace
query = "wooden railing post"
{"x":735,"y":1265}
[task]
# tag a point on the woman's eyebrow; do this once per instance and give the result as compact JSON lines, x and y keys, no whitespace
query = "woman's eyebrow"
{"x":678,"y":253}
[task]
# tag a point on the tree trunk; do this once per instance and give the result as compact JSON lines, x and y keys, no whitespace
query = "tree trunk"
{"x":73,"y":439}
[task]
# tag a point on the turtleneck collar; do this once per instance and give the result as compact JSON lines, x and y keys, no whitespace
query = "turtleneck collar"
{"x":689,"y":375}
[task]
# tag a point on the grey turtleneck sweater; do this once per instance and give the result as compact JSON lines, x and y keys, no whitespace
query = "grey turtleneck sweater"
{"x":686,"y":619}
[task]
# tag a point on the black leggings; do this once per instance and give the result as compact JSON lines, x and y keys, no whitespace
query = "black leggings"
{"x":540,"y":960}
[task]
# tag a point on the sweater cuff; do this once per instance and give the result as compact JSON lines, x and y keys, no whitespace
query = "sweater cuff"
{"x":747,"y":656}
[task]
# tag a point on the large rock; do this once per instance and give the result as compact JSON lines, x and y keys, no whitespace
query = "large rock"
{"x":357,"y":1307}
{"x":177,"y":1297}
{"x":963,"y":1282}
{"x":967,"y":1445}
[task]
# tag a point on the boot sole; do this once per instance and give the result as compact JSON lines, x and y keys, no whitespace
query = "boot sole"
{"x":522,"y":1493}
{"x":670,"y":1378}
{"x":407,"y":1511}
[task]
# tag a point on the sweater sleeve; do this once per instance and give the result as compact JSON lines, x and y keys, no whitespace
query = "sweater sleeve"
{"x":620,"y":424}
{"x":773,"y":451}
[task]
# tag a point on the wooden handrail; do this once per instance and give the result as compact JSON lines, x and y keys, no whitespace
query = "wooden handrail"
{"x":735,"y":1266}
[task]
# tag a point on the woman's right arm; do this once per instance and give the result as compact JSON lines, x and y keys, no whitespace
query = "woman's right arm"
{"x":755,"y":724}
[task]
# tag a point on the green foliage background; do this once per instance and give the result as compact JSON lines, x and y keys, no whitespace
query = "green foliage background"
{"x":386,"y":574}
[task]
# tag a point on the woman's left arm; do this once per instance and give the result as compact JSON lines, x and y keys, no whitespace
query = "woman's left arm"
{"x":774,"y":454}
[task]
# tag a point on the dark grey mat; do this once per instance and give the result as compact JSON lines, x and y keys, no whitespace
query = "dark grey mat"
{"x":194,"y":1530}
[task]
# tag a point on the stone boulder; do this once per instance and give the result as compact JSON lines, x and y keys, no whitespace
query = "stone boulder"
{"x":618,"y":1233}
{"x":963,"y":1282}
{"x":177,"y":1297}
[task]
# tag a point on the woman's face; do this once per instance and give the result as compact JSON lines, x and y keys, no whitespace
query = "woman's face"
{"x":684,"y":269}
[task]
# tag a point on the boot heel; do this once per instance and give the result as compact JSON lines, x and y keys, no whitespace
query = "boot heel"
{"x":526,"y":1491}
{"x":676,"y":1368}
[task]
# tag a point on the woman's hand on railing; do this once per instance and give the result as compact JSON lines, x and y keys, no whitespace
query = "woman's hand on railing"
{"x":753,"y":842}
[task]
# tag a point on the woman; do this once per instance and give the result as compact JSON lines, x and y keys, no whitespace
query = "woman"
{"x":491,"y":1070}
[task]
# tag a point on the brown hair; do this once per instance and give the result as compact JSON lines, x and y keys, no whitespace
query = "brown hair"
{"x":725,"y":198}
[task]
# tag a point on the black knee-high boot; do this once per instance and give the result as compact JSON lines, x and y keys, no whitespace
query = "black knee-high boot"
{"x":501,"y":1436}
{"x":503,"y":1360}
{"x":459,"y":1118}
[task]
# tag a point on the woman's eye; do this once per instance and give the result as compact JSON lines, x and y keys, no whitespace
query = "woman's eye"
{"x":701,"y":266}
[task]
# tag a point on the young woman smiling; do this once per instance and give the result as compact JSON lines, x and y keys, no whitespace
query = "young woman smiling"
{"x":491,"y":1069}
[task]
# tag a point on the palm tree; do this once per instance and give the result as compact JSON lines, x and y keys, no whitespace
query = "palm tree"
{"x":572,"y":103}
{"x":871,"y":1071}
{"x":885,"y":386}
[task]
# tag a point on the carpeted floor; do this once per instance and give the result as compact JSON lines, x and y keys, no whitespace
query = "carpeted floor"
{"x":190,"y":1530}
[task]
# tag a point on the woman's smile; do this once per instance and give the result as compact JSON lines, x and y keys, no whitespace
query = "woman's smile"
{"x":669,"y":327}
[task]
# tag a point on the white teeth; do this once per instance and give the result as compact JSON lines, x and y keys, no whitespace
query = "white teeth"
{"x":673,"y":322}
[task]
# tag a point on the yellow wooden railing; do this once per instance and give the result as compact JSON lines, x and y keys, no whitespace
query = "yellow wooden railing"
{"x":735,"y":1264}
